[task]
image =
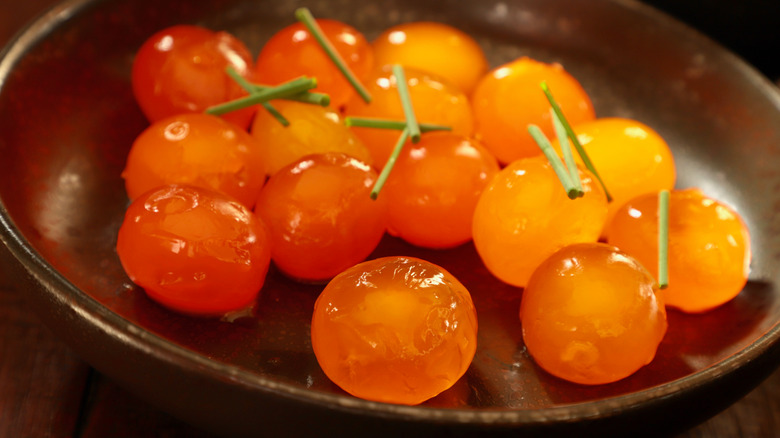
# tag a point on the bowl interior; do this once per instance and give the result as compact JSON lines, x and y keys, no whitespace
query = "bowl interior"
{"x":68,"y":118}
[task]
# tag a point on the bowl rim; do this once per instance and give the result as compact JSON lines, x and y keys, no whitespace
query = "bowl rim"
{"x":139,"y":338}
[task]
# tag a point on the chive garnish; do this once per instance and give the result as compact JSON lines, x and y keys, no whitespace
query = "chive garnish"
{"x":380,"y":181}
{"x":663,"y":239}
{"x":304,"y":16}
{"x":367,"y":122}
{"x":555,"y":161}
{"x":249,"y":88}
{"x":406,"y":103}
{"x":574,"y":139}
{"x":309,"y":97}
{"x":568,"y":156}
{"x":286,"y":89}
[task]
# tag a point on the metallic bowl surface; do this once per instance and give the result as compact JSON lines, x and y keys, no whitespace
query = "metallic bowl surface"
{"x":67,"y":120}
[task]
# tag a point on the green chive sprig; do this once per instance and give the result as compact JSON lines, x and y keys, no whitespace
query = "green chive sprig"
{"x":568,"y":156}
{"x":368,"y":122}
{"x":555,"y":161}
{"x":307,"y":19}
{"x":249,"y":88}
{"x":406,"y":103}
{"x":574,"y":139}
{"x":292,"y":87}
{"x":663,"y":239}
{"x":380,"y":181}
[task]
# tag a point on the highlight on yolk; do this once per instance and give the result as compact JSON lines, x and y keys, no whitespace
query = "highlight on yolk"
{"x":631,"y":158}
{"x":196,"y":149}
{"x":194,"y":250}
{"x":181,"y":69}
{"x":395,"y":330}
{"x":510,"y":97}
{"x":321,"y":217}
{"x":293,"y":52}
{"x":434,"y":101}
{"x":524,"y":215}
{"x":433,"y":47}
{"x":312,"y":130}
{"x":434,"y":187}
{"x":709,"y":247}
{"x":591,"y":314}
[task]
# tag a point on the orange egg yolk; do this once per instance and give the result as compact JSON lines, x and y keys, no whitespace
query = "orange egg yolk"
{"x":433,"y":100}
{"x":433,"y":47}
{"x":396,"y":330}
{"x":294,"y":52}
{"x":321,"y":217}
{"x":312,"y":130}
{"x":524,"y":215}
{"x":196,"y":149}
{"x":630,"y":157}
{"x":591,"y":315}
{"x":434,"y":187}
{"x":194,"y":250}
{"x":709,"y":247}
{"x":509,"y":98}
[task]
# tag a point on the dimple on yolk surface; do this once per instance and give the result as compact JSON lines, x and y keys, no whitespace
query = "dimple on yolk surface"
{"x":524,"y":215}
{"x":395,"y":329}
{"x":590,"y":314}
{"x":709,"y":247}
{"x":510,"y":97}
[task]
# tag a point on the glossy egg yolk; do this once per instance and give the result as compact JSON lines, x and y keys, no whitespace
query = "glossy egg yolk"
{"x":433,"y":47}
{"x":321,"y":217}
{"x":631,"y":158}
{"x":181,"y":69}
{"x":524,"y":215}
{"x":434,"y":101}
{"x":510,"y":97}
{"x":396,"y":330}
{"x":293,"y":52}
{"x":312,"y":130}
{"x":193,"y":250}
{"x":591,"y":314}
{"x":709,"y":247}
{"x":196,"y":149}
{"x":434,"y":187}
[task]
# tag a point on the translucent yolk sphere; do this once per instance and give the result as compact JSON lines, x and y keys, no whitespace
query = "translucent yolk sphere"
{"x":510,"y":97}
{"x":434,"y":100}
{"x":196,"y":149}
{"x":193,"y":250}
{"x":396,"y":330}
{"x":524,"y":215}
{"x":293,"y":52}
{"x":709,"y":247}
{"x":434,"y":187}
{"x":591,"y":314}
{"x":321,"y":217}
{"x":433,"y":47}
{"x":312,"y":130}
{"x":181,"y":69}
{"x":631,"y":158}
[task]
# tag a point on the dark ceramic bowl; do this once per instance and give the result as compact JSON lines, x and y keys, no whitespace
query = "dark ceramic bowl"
{"x":67,"y":120}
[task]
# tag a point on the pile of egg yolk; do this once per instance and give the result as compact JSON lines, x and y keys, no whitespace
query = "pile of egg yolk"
{"x":524,"y":215}
{"x":591,"y":315}
{"x":434,"y":101}
{"x":312,"y":130}
{"x":293,"y":52}
{"x":509,"y":98}
{"x":630,"y":157}
{"x":395,"y":329}
{"x":433,"y":47}
{"x":434,"y":187}
{"x":181,"y":69}
{"x":708,"y":250}
{"x":194,"y":250}
{"x":196,"y":149}
{"x":320,"y":215}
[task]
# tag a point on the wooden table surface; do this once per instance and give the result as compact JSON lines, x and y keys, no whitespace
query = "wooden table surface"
{"x":47,"y":391}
